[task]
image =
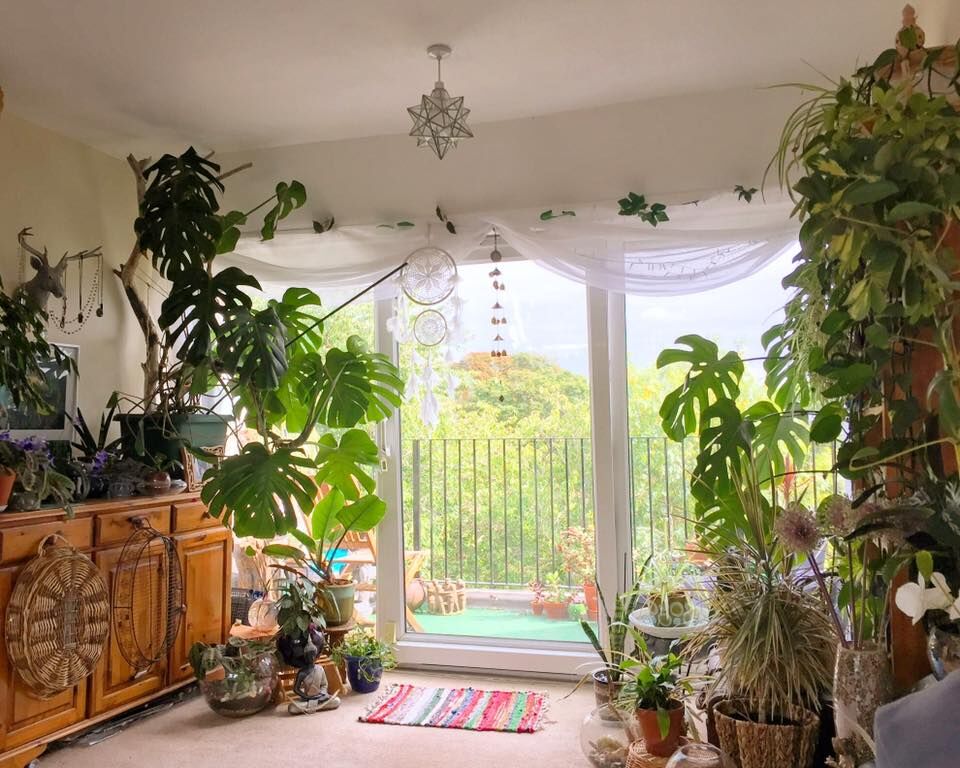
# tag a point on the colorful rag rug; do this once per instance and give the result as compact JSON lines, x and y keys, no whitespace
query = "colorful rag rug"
{"x":466,"y":708}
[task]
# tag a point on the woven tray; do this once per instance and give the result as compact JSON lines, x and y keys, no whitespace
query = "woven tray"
{"x":58,"y":618}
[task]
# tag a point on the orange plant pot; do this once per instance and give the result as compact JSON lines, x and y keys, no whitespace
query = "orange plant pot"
{"x":592,"y":600}
{"x":556,"y":611}
{"x":7,"y":479}
{"x":655,"y":743}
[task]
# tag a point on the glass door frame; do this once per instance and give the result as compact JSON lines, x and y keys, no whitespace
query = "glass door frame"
{"x":606,"y":336}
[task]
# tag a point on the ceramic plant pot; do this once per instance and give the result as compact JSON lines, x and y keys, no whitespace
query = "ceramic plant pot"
{"x":555,"y":610}
{"x":789,"y":739}
{"x":537,"y":607}
{"x":7,"y":479}
{"x":364,"y":674}
{"x":23,"y":501}
{"x":605,"y":692}
{"x":336,"y":602}
{"x":656,"y":742}
{"x":674,"y":611}
{"x":861,"y":684}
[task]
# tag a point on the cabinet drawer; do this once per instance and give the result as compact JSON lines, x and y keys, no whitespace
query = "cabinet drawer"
{"x":21,"y":543}
{"x":191,"y":515}
{"x":116,"y":527}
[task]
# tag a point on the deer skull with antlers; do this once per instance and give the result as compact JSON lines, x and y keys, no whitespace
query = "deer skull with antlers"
{"x":49,"y":279}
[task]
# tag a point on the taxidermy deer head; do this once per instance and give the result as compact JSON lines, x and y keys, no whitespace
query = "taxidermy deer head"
{"x":49,"y":280}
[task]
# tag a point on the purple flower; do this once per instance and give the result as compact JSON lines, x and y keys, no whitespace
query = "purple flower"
{"x":100,"y":459}
{"x":797,"y":528}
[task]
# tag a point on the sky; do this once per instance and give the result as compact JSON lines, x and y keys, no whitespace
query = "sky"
{"x":547,"y":315}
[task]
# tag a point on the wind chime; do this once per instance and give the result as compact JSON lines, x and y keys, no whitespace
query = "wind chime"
{"x":499,"y":318}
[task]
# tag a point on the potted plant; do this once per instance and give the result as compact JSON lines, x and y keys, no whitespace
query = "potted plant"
{"x":308,"y":407}
{"x":37,"y":479}
{"x":655,"y":693}
{"x":323,"y":533}
{"x":556,"y":597}
{"x":299,"y":619}
{"x":668,"y":603}
{"x":577,"y":548}
{"x":539,"y":593}
{"x":11,"y":456}
{"x":94,"y":451}
{"x":577,"y":608}
{"x":237,"y":679}
{"x":608,"y":680}
{"x":366,"y":659}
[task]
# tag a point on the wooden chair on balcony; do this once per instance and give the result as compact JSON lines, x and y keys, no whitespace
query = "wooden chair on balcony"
{"x":363,"y":551}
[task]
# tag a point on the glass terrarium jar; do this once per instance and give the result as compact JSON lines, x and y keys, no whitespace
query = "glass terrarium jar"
{"x":699,"y":756}
{"x":603,"y":737}
{"x":242,"y":685}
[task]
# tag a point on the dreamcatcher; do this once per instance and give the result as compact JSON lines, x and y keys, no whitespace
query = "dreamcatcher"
{"x":147,"y":597}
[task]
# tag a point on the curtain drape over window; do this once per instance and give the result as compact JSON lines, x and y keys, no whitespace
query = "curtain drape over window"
{"x":705,"y":244}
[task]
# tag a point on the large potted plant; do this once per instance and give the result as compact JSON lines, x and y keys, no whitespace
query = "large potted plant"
{"x":237,"y":679}
{"x":773,"y":636}
{"x":323,"y":533}
{"x":267,"y":361}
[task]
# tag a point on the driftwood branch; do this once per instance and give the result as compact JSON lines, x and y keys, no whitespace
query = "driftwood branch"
{"x":238,"y":169}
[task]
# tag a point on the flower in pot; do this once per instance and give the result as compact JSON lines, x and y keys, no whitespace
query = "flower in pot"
{"x":539,"y":593}
{"x":37,"y":478}
{"x":655,"y":693}
{"x":325,"y":529}
{"x":366,"y":659}
{"x":94,"y":451}
{"x":556,"y":597}
{"x":577,"y":548}
{"x":237,"y":679}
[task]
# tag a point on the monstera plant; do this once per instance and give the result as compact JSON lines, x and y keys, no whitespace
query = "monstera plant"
{"x":306,"y":406}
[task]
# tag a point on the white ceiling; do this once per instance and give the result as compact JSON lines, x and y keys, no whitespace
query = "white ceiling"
{"x":139,"y":75}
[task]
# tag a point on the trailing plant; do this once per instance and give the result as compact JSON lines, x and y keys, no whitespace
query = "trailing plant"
{"x":36,"y":473}
{"x":24,"y":352}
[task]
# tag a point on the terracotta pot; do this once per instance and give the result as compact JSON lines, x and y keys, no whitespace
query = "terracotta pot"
{"x":537,"y":607}
{"x":555,"y":610}
{"x":790,"y":740}
{"x":591,"y":598}
{"x":861,"y":684}
{"x":654,"y":740}
{"x":7,"y":479}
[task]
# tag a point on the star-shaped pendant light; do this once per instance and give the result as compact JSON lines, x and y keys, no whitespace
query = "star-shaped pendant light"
{"x":439,"y":120}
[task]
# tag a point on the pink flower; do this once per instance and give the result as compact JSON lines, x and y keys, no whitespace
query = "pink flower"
{"x":836,"y":515}
{"x":797,"y":529}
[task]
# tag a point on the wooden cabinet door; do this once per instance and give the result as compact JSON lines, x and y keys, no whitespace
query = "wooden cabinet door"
{"x":23,"y":716}
{"x":206,"y":561}
{"x":115,"y":682}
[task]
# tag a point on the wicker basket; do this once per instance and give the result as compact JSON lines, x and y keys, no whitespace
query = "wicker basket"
{"x":759,"y":745}
{"x":638,"y":757}
{"x":58,"y":619}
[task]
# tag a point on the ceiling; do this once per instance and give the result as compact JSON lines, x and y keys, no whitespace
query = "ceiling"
{"x":239,"y":74}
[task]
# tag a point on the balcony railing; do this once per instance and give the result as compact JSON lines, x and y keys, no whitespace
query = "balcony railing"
{"x":490,"y":512}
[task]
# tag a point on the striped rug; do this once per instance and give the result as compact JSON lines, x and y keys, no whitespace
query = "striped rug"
{"x":469,"y":709}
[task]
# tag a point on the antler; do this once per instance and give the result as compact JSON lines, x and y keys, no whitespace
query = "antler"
{"x":22,"y":236}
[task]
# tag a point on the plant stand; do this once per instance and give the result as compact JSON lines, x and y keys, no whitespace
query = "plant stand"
{"x":446,"y":597}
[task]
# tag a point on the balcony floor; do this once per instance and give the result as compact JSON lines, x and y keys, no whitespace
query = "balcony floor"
{"x":503,"y":623}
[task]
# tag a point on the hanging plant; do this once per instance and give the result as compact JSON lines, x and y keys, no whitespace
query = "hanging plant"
{"x":637,"y":205}
{"x":446,"y":222}
{"x":745,"y":194}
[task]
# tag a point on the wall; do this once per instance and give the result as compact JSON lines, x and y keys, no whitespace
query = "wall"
{"x":73,"y":197}
{"x":682,"y":145}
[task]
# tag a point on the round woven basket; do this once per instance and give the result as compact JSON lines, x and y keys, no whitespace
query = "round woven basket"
{"x":638,"y":757}
{"x":760,"y":745}
{"x":58,"y":619}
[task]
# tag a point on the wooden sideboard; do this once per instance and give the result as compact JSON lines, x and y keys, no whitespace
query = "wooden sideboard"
{"x":99,"y":529}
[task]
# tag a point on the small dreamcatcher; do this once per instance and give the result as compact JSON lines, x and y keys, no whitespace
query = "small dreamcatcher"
{"x":430,"y":328}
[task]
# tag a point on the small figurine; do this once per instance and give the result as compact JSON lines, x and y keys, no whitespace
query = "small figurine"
{"x":310,"y":685}
{"x":910,"y":37}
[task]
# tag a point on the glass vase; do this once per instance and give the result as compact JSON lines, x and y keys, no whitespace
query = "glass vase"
{"x":861,"y":684}
{"x":943,"y":650}
{"x":243,"y":686}
{"x":699,"y":756}
{"x":604,"y":738}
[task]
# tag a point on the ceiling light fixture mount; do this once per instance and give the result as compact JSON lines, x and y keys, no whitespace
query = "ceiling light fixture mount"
{"x":439,"y":120}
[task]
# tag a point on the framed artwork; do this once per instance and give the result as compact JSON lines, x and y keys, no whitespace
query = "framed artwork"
{"x":194,"y":466}
{"x":61,"y":384}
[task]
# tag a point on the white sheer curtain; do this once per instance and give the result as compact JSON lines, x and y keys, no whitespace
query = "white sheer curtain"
{"x":704,"y":245}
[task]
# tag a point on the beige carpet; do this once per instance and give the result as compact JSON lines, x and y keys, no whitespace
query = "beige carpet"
{"x":191,"y":735}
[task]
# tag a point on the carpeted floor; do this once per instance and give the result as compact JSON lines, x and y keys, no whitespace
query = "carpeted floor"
{"x":191,"y":735}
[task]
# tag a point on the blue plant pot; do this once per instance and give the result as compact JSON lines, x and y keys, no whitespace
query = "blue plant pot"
{"x":366,"y":681}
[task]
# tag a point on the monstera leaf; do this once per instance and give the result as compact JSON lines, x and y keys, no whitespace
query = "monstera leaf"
{"x":340,"y":463}
{"x":776,"y":435}
{"x":252,"y":347}
{"x":711,"y":378}
{"x":386,"y":386}
{"x":196,"y":305}
{"x":344,"y":392}
{"x":724,"y":441}
{"x":178,"y":222}
{"x":258,"y":492}
{"x":786,"y":376}
{"x":303,"y":331}
{"x":289,"y":197}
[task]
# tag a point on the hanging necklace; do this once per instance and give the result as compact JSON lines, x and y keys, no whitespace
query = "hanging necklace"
{"x":87,"y":305}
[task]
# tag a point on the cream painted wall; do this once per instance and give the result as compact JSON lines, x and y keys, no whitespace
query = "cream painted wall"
{"x":73,"y":197}
{"x":678,"y":145}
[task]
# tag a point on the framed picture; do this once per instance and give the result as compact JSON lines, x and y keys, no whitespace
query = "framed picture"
{"x":61,"y":383}
{"x":194,"y":466}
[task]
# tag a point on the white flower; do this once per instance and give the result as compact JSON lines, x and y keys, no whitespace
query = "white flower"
{"x":915,"y":599}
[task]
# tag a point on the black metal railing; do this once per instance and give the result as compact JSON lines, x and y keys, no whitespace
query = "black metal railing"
{"x":490,"y":512}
